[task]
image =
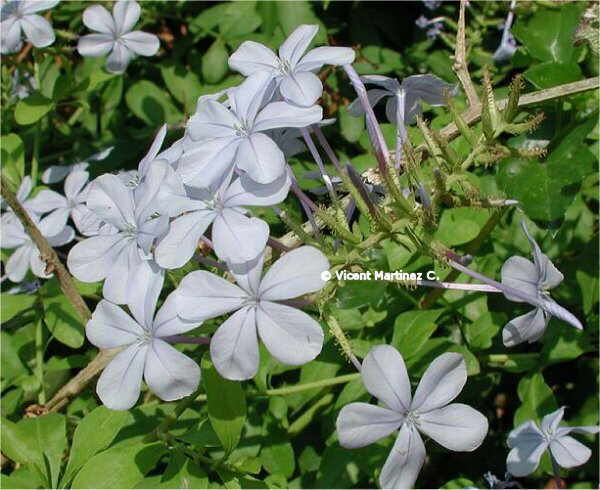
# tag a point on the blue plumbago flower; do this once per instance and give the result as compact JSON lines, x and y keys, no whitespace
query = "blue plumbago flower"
{"x":21,"y":15}
{"x":22,"y":84}
{"x":27,"y":256}
{"x":528,"y":443}
{"x":56,"y":173}
{"x":290,"y":335}
{"x":533,"y":279}
{"x":115,"y":35}
{"x":223,"y":136}
{"x":455,"y":426}
{"x":404,"y":98}
{"x":236,"y":237}
{"x":146,"y":353}
{"x":432,"y":4}
{"x":22,"y":196}
{"x":508,"y":45}
{"x":293,"y":71}
{"x":433,"y":26}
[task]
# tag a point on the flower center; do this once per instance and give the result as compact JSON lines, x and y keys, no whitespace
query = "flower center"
{"x":412,"y":418}
{"x":241,"y":130}
{"x":284,"y":67}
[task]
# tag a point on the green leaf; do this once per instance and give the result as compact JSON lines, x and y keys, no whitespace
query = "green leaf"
{"x":182,"y":472}
{"x":461,"y":225}
{"x":13,"y":304}
{"x":151,"y":104}
{"x":548,"y":34}
{"x":536,"y":398}
{"x":93,"y":434}
{"x":354,"y":294}
{"x":119,"y":467}
{"x":351,"y":127}
{"x":31,"y":109}
{"x":13,"y":158}
{"x":183,"y":84}
{"x":214,"y":62}
{"x":294,"y":13}
{"x":10,"y":361}
{"x":226,"y":405}
{"x":278,"y":458}
{"x":239,"y":19}
{"x":563,"y":343}
{"x":479,"y":334}
{"x":60,"y":316}
{"x":412,"y":329}
{"x":551,"y":74}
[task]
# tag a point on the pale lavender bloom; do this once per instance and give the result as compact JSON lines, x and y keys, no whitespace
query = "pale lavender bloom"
{"x":22,"y":85}
{"x":290,"y":335}
{"x":25,"y":287}
{"x":432,"y":4}
{"x":224,"y":137}
{"x":71,"y":204}
{"x":22,"y":196}
{"x":169,"y":374}
{"x":27,"y":256}
{"x":508,"y":44}
{"x":20,"y":15}
{"x":455,"y":426}
{"x":293,"y":71}
{"x":534,"y":279}
{"x":434,"y":28}
{"x":528,"y":443}
{"x":115,"y":35}
{"x":404,"y":98}
{"x":56,"y":173}
{"x":236,"y":237}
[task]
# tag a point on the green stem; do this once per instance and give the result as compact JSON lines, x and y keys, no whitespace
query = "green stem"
{"x":39,"y":360}
{"x":307,"y":417}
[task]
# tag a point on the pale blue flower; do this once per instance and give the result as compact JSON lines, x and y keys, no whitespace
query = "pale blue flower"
{"x":20,"y":15}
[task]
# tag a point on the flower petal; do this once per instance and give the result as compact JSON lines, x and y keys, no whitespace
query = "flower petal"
{"x":97,"y":18}
{"x":302,"y":88}
{"x":18,"y":263}
{"x":569,"y":452}
{"x":118,"y":282}
{"x":202,"y":295}
{"x":10,"y":35}
{"x":428,"y":88}
{"x":109,"y":198}
{"x":119,"y":384}
{"x":142,"y":300}
{"x":406,"y":458}
{"x":519,"y":273}
{"x":32,"y":6}
{"x":249,"y":97}
{"x":325,"y":55}
{"x":111,"y":327}
{"x":361,"y":424}
{"x":94,"y":45}
{"x":260,"y":158}
{"x":38,"y":30}
{"x":551,"y":421}
{"x":297,"y":43}
{"x":441,"y":383}
{"x":246,"y":192}
{"x":37,"y":265}
{"x":212,"y":120}
{"x":285,"y":115}
{"x":456,"y":426}
{"x":234,"y":346}
{"x":374,"y":96}
{"x":529,"y":327}
{"x":91,"y":259}
{"x":205,"y":163}
{"x":384,"y":375}
{"x":237,"y":238}
{"x":296,"y":273}
{"x":119,"y":58}
{"x":46,"y":201}
{"x":528,"y":444}
{"x":167,"y":322}
{"x":251,"y":57}
{"x":142,"y":43}
{"x":290,"y":335}
{"x":548,"y":275}
{"x":179,"y":245}
{"x":126,"y":13}
{"x":170,"y":374}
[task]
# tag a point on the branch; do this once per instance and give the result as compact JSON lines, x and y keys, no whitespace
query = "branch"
{"x":461,"y":67}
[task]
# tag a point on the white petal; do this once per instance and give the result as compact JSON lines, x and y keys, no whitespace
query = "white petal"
{"x":24,"y":188}
{"x":290,"y":335}
{"x":142,"y":300}
{"x":13,"y":234}
{"x":18,"y":263}
{"x":170,"y":374}
{"x":111,"y":327}
{"x":87,"y":222}
{"x":374,"y":96}
{"x":66,"y":235}
{"x":75,"y":183}
{"x":441,"y":383}
{"x":38,"y":30}
{"x":528,"y":444}
{"x":98,"y":19}
{"x":456,"y":426}
{"x":302,"y":88}
{"x":112,"y":201}
{"x":91,"y":259}
{"x":119,"y":58}
{"x":251,"y":57}
{"x":207,"y":162}
{"x":179,"y":245}
{"x":284,"y":115}
{"x":202,"y":295}
{"x":234,"y":346}
{"x":32,"y":6}
{"x":249,"y":97}
{"x":142,"y":43}
{"x":325,"y":55}
{"x":167,"y":322}
{"x":247,"y":274}
{"x":10,"y":32}
{"x":551,"y":421}
{"x":237,"y":238}
{"x":118,"y":280}
{"x":519,"y":273}
{"x":296,"y":273}
{"x":384,"y":375}
{"x":126,"y":13}
{"x":361,"y":424}
{"x":119,"y":384}
{"x":94,"y":45}
{"x":46,"y":201}
{"x":428,"y":88}
{"x":56,"y":173}
{"x":406,"y":458}
{"x":261,"y":158}
{"x":569,"y":452}
{"x":549,"y":275}
{"x":155,"y":147}
{"x":212,"y":120}
{"x":37,"y":265}
{"x":297,"y":42}
{"x":529,"y":327}
{"x":246,"y":192}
